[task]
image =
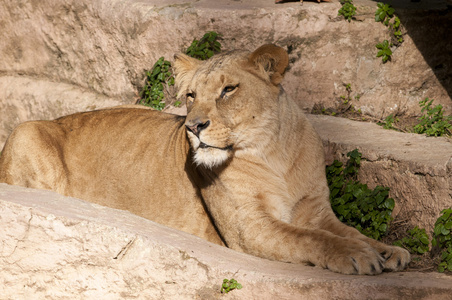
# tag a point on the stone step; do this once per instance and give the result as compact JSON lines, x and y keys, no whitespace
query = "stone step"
{"x":417,"y":168}
{"x":61,"y":247}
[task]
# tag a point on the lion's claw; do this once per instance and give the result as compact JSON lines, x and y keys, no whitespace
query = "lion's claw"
{"x":396,"y":258}
{"x":356,"y":257}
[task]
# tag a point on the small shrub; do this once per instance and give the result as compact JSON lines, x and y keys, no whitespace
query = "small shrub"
{"x":348,"y":10}
{"x":229,"y":285}
{"x":346,"y":104}
{"x":206,"y":47}
{"x":446,"y":261}
{"x":416,"y":242}
{"x":157,"y":79}
{"x":348,"y":89}
{"x":433,"y":122}
{"x":385,"y":51}
{"x":442,"y":239}
{"x":396,"y":30}
{"x":384,"y":13}
{"x":388,"y":122}
{"x":354,"y":203}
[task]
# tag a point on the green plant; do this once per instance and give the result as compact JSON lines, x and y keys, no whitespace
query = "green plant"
{"x":442,"y":239}
{"x":348,"y":89}
{"x":354,"y":203}
{"x":385,"y":51}
{"x":206,"y":47}
{"x":384,"y":13}
{"x":348,"y":10}
{"x":229,"y":285}
{"x":396,"y":31}
{"x":416,"y":242}
{"x":446,"y":260}
{"x":388,"y":122}
{"x":346,"y":104}
{"x":159,"y":77}
{"x":433,"y":122}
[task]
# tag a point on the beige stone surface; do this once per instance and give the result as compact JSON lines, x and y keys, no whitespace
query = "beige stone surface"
{"x":104,"y":46}
{"x":57,"y":247}
{"x":24,"y":99}
{"x":417,"y":168}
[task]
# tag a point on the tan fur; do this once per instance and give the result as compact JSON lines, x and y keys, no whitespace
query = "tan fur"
{"x":245,"y":157}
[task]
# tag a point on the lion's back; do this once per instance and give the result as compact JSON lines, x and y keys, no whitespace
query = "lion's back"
{"x":126,"y":158}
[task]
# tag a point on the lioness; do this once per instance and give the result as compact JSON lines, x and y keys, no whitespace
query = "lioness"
{"x":244,"y":168}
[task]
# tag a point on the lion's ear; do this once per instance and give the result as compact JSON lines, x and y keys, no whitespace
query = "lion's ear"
{"x":185,"y":63}
{"x":184,"y":68}
{"x":272,"y":60}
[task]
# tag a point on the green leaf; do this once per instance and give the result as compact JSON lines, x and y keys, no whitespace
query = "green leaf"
{"x":448,"y":225}
{"x":444,"y":231}
{"x":424,"y":240}
{"x":383,"y":227}
{"x":155,"y":71}
{"x":390,"y":204}
{"x":390,"y":11}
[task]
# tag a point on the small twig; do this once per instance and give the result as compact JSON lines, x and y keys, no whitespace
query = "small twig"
{"x":124,"y":249}
{"x":400,"y":221}
{"x":423,"y":269}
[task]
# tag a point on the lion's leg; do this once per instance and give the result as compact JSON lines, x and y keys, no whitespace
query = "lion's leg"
{"x":32,"y":157}
{"x":396,"y":258}
{"x":244,"y":216}
{"x":262,"y":235}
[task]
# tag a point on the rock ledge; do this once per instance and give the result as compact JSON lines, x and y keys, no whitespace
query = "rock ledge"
{"x":60,"y":247}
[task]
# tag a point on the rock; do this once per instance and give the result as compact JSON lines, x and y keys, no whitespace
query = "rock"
{"x":24,"y":99}
{"x":417,"y":168}
{"x":60,"y":247}
{"x":104,"y":47}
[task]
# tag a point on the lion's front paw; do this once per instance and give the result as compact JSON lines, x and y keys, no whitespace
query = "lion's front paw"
{"x":396,"y":258}
{"x":353,"y":256}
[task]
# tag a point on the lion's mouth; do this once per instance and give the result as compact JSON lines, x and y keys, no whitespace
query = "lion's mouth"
{"x":205,"y":146}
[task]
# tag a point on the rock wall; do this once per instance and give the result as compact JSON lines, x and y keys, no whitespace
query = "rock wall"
{"x":99,"y":50}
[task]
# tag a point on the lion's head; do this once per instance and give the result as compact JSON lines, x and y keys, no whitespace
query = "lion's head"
{"x":232,"y":101}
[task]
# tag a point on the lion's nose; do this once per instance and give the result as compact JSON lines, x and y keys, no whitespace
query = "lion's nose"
{"x":197,"y":126}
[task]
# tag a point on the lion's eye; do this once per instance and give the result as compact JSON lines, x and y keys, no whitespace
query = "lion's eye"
{"x":190,"y":98}
{"x":228,"y":89}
